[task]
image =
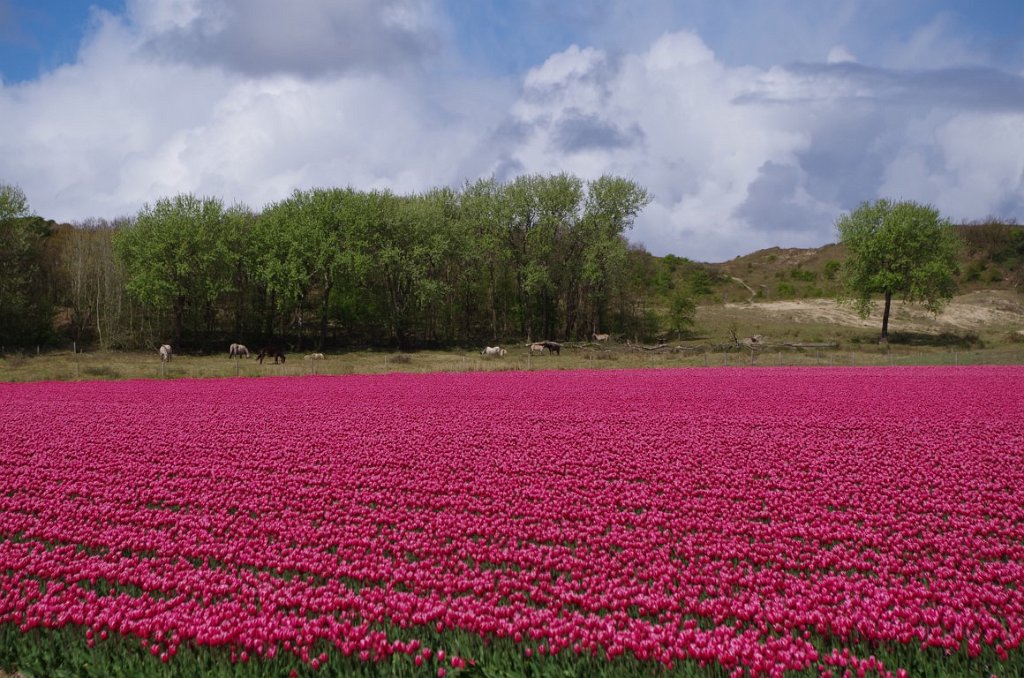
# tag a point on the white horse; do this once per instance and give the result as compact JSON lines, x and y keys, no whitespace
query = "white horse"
{"x":600,"y":337}
{"x":314,"y":356}
{"x":493,"y":350}
{"x":237,"y":351}
{"x":165,"y":353}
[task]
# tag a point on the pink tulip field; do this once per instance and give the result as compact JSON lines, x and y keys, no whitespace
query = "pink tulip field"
{"x":724,"y":522}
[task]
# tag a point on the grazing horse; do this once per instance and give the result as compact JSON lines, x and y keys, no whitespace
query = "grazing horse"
{"x":237,"y":351}
{"x":270,"y":352}
{"x":493,"y":350}
{"x":536,"y":348}
{"x":552,"y":347}
{"x":599,"y":338}
{"x":165,"y":353}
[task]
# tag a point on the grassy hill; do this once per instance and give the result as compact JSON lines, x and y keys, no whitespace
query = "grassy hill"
{"x":788,"y":294}
{"x":992,"y":258}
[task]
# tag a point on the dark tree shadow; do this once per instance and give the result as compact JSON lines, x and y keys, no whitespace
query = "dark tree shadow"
{"x":942,"y":339}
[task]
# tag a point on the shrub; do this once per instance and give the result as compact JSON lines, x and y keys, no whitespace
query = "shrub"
{"x":993,"y":276}
{"x":974,"y":270}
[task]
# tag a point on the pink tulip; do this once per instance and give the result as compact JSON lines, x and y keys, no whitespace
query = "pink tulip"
{"x":714,"y":516}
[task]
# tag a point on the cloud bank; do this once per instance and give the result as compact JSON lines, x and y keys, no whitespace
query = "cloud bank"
{"x":246,"y":101}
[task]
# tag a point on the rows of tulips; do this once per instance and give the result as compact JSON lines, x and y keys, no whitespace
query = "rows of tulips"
{"x":755,"y":521}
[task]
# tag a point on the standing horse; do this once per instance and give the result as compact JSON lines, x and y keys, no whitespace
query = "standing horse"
{"x":237,"y":351}
{"x":552,"y":347}
{"x":270,"y":352}
{"x":165,"y":353}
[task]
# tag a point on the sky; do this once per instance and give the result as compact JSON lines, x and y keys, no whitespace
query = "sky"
{"x":752,"y":123}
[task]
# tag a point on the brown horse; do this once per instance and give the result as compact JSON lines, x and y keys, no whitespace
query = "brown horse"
{"x":270,"y":352}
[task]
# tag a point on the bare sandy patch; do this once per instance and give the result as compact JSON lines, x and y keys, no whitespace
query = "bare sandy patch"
{"x":984,"y":310}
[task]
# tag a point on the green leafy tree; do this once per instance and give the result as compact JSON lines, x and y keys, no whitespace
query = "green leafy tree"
{"x":898,"y":248}
{"x":409,"y":245}
{"x":13,"y":203}
{"x":309,"y":242}
{"x":25,"y":308}
{"x":611,"y":207}
{"x":177,"y":257}
{"x":16,"y":247}
{"x":483,"y":211}
{"x":682,"y":313}
{"x":544,"y":235}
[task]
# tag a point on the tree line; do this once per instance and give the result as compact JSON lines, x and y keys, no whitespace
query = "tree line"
{"x":536,"y":257}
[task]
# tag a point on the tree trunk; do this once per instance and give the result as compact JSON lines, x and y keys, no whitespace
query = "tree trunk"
{"x":324,"y":310}
{"x":179,"y":321}
{"x":885,"y":318}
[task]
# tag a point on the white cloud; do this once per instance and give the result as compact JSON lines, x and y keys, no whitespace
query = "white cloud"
{"x":969,"y":165}
{"x":309,"y":38}
{"x":744,"y":157}
{"x":164,"y":15}
{"x":692,"y":145}
{"x":105,"y":135}
{"x":737,"y":157}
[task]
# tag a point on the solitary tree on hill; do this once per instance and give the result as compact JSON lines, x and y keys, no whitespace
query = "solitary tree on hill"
{"x":898,"y":248}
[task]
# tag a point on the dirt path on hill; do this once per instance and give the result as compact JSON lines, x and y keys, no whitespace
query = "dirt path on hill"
{"x":750,"y":289}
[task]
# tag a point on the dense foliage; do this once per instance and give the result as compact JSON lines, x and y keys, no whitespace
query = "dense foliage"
{"x":751,"y":520}
{"x":24,"y":308}
{"x":539,"y":257}
{"x":994,"y":251}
